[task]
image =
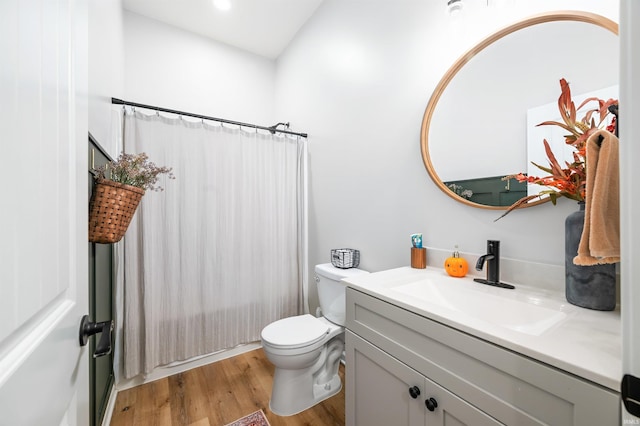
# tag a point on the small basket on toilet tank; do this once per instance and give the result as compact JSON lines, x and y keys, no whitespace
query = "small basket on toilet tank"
{"x":345,"y":258}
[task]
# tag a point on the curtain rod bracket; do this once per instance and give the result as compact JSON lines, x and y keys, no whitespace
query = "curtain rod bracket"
{"x":273,"y":128}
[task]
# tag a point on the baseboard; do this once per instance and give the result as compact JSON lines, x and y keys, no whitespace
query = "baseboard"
{"x":111,"y":405}
{"x":171,"y":369}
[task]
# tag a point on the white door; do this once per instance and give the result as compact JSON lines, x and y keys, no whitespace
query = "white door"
{"x":43,"y":212}
{"x":629,"y":192}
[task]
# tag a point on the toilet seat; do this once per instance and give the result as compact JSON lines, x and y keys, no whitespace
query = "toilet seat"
{"x":295,"y":332}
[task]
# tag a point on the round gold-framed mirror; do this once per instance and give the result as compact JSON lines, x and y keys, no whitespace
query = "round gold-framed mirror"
{"x":474,"y":129}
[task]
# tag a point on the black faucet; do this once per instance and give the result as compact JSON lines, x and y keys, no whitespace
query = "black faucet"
{"x":492,"y":258}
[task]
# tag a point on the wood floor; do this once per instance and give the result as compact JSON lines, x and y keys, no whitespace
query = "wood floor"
{"x":215,"y":395}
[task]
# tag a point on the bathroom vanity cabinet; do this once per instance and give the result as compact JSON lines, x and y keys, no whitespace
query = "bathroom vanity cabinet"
{"x":389,"y":392}
{"x":394,"y":355}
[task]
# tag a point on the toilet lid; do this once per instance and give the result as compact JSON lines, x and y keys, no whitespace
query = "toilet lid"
{"x":295,"y":332}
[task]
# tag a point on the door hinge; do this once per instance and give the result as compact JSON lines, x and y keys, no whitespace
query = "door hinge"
{"x":631,"y":394}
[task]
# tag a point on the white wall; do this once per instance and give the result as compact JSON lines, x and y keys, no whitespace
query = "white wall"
{"x":175,"y":69}
{"x":106,"y":70}
{"x":357,"y":78}
{"x":141,"y":60}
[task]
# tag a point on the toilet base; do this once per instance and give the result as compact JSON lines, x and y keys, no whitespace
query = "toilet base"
{"x":286,"y":403}
{"x":296,"y":390}
{"x":322,"y":392}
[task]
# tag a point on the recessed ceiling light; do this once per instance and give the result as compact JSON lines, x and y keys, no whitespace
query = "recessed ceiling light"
{"x":222,"y":4}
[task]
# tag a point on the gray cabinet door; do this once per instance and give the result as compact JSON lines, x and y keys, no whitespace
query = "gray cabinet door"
{"x":451,"y":410}
{"x":377,"y":387}
{"x":381,"y":390}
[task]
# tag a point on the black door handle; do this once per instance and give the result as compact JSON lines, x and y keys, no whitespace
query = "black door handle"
{"x":88,"y":328}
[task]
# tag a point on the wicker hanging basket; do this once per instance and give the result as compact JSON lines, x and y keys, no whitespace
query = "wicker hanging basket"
{"x":110,"y":211}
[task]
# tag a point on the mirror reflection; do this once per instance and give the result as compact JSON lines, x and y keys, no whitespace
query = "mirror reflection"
{"x":475,"y":126}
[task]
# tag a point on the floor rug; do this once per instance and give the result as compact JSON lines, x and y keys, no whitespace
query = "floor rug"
{"x":254,"y":419}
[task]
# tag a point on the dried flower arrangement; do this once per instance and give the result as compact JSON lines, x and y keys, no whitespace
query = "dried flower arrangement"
{"x":570,"y":181}
{"x":135,"y":170}
{"x":460,"y":190}
{"x":116,"y":197}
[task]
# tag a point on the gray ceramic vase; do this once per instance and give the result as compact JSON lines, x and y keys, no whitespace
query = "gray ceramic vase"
{"x":592,"y":287}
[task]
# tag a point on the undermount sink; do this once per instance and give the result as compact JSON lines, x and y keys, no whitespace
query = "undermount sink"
{"x":487,"y":305}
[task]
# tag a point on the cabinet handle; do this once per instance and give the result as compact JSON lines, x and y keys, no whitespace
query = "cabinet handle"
{"x":431,"y":404}
{"x":414,"y":392}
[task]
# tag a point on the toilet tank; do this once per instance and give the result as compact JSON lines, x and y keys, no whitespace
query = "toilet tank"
{"x":332,"y":291}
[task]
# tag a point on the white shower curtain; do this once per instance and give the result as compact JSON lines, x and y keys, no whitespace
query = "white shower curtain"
{"x":219,"y":253}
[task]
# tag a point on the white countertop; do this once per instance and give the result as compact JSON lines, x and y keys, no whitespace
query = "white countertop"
{"x":537,"y":323}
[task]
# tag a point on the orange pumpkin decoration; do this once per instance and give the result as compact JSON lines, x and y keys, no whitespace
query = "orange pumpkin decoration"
{"x":456,"y":266}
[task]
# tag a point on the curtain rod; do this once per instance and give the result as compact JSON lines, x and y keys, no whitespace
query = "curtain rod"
{"x":273,"y":129}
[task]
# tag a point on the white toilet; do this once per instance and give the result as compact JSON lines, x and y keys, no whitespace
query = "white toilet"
{"x":306,"y":350}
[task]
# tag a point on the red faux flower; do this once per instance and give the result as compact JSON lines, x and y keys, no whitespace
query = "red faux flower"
{"x":568,"y":181}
